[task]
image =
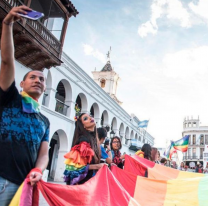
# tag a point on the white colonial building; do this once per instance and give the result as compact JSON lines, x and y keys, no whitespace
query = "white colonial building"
{"x":68,"y":85}
{"x":197,"y":140}
{"x":38,"y":48}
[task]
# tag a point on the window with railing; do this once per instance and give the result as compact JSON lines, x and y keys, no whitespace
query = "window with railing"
{"x":194,"y":139}
{"x":206,"y":139}
{"x":202,"y":140}
{"x":194,"y":152}
{"x":189,"y":151}
{"x":61,"y":107}
{"x":201,"y":152}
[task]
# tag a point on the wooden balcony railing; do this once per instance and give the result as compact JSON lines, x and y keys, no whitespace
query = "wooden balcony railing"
{"x":35,"y":46}
{"x":45,"y":34}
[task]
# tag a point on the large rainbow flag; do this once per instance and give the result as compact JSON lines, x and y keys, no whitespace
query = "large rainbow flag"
{"x":164,"y":186}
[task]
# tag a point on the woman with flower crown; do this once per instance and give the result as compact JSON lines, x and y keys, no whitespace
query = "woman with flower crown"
{"x":82,"y":161}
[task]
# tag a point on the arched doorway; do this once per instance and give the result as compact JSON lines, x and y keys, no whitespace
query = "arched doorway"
{"x":63,"y":98}
{"x":95,"y":111}
{"x":132,"y":134}
{"x":104,"y":119}
{"x":136,"y":137}
{"x":81,"y":102}
{"x":58,"y":147}
{"x":127,"y":137}
{"x":121,"y":132}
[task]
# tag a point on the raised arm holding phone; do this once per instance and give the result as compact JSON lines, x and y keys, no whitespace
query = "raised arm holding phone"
{"x":24,"y":133}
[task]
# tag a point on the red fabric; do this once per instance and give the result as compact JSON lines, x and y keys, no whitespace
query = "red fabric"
{"x":83,"y":149}
{"x":33,"y":193}
{"x":103,"y":189}
{"x":137,"y":165}
{"x":127,"y":179}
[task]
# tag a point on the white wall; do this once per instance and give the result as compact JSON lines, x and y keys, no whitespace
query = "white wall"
{"x":76,"y":81}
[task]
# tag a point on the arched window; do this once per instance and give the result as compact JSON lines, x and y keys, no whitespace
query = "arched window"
{"x":102,"y":83}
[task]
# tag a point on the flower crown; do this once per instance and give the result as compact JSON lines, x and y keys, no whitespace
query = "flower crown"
{"x":77,"y":112}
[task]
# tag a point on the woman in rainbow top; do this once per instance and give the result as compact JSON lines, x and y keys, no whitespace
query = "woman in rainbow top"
{"x":83,"y":160}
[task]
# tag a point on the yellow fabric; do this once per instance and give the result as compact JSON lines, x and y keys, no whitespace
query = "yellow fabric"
{"x":184,"y":174}
{"x":71,"y":163}
{"x":16,"y":199}
{"x":182,"y":192}
{"x":140,"y":153}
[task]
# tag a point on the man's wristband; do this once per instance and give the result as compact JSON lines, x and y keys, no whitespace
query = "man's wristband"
{"x":36,"y":170}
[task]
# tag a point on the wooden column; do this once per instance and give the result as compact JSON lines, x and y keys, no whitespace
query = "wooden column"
{"x":63,"y":33}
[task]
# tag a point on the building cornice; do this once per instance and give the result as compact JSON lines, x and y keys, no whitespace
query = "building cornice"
{"x":56,"y":114}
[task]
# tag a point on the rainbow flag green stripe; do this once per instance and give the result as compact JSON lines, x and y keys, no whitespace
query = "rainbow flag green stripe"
{"x":29,"y":105}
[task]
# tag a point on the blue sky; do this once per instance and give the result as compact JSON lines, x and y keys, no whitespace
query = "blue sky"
{"x":160,"y":51}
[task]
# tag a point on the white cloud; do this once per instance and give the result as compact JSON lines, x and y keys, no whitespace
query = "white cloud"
{"x":172,"y":9}
{"x":186,"y":63}
{"x":146,"y":28}
{"x":177,"y":12}
{"x":89,"y":50}
{"x":200,"y":8}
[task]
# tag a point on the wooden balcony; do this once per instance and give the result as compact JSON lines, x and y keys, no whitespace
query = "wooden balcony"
{"x":35,"y":46}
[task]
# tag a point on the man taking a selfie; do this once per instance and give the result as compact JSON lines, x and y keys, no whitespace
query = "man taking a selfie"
{"x":24,"y":131}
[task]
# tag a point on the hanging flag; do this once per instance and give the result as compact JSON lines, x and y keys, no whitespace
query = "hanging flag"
{"x":143,"y":124}
{"x":170,"y":150}
{"x":182,"y":144}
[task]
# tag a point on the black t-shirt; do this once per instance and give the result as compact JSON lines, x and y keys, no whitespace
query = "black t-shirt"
{"x":21,"y":135}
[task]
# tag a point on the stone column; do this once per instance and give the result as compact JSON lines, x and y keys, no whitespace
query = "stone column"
{"x":71,"y":109}
{"x":60,"y":167}
{"x":50,"y":101}
{"x":116,"y":132}
{"x":122,"y":134}
{"x":98,"y":120}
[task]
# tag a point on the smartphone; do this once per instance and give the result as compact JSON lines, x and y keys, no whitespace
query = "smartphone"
{"x":106,"y":143}
{"x":34,"y":15}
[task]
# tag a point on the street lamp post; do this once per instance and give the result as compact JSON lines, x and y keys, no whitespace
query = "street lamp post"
{"x":112,"y":133}
{"x":107,"y":128}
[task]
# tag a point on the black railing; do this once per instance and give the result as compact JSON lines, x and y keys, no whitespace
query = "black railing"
{"x":194,"y":157}
{"x":61,"y":107}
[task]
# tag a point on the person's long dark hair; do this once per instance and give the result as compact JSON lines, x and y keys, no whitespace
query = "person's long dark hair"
{"x":146,"y":148}
{"x":92,"y":137}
